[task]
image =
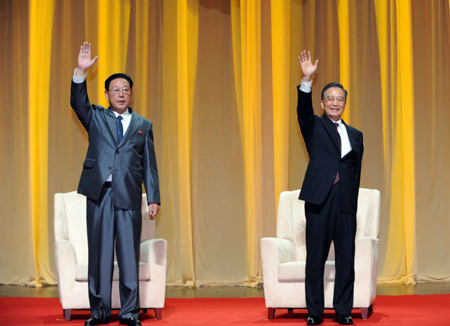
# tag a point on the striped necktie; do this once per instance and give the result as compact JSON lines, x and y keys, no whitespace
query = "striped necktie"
{"x":120,"y":127}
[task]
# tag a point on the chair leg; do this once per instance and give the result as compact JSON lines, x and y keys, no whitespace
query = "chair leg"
{"x":290,"y":310}
{"x":144,"y":310}
{"x":158,"y":313}
{"x":67,"y":314}
{"x":366,"y":312}
{"x":271,"y":313}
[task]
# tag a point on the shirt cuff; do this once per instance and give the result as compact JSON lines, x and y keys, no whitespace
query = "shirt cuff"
{"x":305,"y":86}
{"x":78,"y":79}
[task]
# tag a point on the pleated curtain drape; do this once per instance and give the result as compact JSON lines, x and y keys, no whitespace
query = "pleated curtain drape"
{"x":218,"y":79}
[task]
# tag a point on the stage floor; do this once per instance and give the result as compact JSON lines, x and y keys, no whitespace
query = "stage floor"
{"x":229,"y":291}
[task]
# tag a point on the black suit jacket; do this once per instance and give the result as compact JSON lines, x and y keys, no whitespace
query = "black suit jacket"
{"x":319,"y":134}
{"x":131,"y":162}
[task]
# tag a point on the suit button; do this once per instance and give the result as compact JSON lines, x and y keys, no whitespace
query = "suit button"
{"x":109,"y":168}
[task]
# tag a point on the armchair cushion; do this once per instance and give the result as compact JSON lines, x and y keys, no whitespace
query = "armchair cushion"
{"x":82,"y":272}
{"x":294,"y":271}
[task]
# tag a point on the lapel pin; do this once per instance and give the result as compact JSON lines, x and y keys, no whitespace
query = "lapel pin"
{"x":140,"y":131}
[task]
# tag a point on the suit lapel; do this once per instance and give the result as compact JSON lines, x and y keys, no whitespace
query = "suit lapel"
{"x":331,"y":130}
{"x":134,"y":124}
{"x":351,"y":136}
{"x":111,"y":121}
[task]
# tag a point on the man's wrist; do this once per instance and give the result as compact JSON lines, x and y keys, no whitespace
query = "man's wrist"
{"x":306,"y":86}
{"x":78,"y":79}
{"x":80,"y":72}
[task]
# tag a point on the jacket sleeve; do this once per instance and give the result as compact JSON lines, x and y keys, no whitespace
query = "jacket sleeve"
{"x":80,"y":103}
{"x":359,"y":163}
{"x":151,"y":180}
{"x":305,"y":113}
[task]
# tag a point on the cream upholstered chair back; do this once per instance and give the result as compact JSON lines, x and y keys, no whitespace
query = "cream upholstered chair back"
{"x":368,"y":216}
{"x":291,"y":222}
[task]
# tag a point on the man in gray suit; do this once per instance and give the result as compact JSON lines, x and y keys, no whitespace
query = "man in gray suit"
{"x":119,"y":159}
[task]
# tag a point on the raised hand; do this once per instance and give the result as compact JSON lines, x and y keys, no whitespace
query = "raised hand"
{"x":308,"y":68}
{"x":84,"y":58}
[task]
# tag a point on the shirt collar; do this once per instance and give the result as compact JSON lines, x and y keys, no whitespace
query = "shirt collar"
{"x":125,"y":115}
{"x":338,"y":122}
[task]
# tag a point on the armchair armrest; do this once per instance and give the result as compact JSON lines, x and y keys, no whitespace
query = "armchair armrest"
{"x":66,"y":264}
{"x":275,"y":251}
{"x":280,"y":250}
{"x":154,"y":252}
{"x":366,"y":253}
{"x":366,"y":264}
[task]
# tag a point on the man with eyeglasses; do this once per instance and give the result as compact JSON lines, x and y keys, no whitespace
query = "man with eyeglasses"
{"x":119,"y":159}
{"x":330,"y":191}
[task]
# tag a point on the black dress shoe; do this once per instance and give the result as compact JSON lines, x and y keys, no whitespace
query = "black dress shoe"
{"x":314,"y":320}
{"x":95,"y":321}
{"x":345,"y":320}
{"x":129,"y":321}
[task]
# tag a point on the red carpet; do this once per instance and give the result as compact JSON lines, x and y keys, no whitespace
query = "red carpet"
{"x":410,"y":310}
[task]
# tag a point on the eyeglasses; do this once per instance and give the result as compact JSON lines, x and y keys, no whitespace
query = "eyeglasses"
{"x":116,"y":91}
{"x":339,"y":99}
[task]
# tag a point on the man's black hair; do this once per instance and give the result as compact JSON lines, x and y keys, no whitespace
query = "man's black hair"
{"x":331,"y":85}
{"x":115,"y":76}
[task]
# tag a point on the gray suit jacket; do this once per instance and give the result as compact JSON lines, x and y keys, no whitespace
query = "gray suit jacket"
{"x":131,"y":162}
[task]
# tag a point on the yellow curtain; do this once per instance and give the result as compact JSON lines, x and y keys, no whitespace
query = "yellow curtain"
{"x":249,"y":35}
{"x":18,"y":262}
{"x":343,"y":10}
{"x":179,"y":54}
{"x":186,"y":68}
{"x":280,"y":23}
{"x":111,"y":40}
{"x":41,"y":26}
{"x":218,"y":79}
{"x":142,"y":54}
{"x":397,"y":57}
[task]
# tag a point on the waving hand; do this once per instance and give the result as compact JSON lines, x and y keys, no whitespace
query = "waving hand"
{"x":84,"y":58}
{"x":308,"y":68}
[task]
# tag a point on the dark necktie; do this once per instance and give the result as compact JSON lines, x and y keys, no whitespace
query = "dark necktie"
{"x":339,"y":137}
{"x":336,"y":179}
{"x":120,"y":127}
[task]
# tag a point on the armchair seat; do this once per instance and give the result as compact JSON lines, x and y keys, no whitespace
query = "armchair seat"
{"x":71,"y":256}
{"x":81,"y":274}
{"x":284,"y":257}
{"x":294,"y":271}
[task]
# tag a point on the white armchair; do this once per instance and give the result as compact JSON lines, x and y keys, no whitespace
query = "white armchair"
{"x":284,"y":257}
{"x":71,"y":255}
